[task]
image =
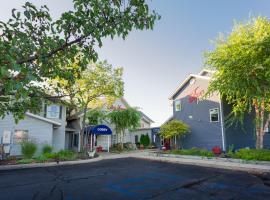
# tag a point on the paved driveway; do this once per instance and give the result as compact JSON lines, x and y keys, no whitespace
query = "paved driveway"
{"x":130,"y":178}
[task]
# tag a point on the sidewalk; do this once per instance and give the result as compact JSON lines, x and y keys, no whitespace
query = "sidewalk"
{"x":232,"y":164}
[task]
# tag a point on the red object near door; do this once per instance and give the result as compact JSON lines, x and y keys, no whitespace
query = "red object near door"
{"x":99,"y":149}
{"x":167,"y":144}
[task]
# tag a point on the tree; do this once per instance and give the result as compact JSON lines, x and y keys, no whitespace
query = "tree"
{"x":95,"y":116}
{"x":174,"y":129}
{"x":145,"y":140}
{"x":99,"y":80}
{"x":242,"y":63}
{"x":124,"y":119}
{"x":34,"y":48}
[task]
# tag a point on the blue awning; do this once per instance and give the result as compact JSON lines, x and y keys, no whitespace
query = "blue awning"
{"x":98,"y":130}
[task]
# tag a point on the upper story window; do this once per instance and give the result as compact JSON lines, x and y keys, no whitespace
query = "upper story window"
{"x":177,"y":105}
{"x":214,"y":115}
{"x":53,"y":111}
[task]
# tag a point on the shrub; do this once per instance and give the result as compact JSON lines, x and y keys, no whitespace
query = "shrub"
{"x":145,"y":140}
{"x":50,"y":155}
{"x":194,"y":151}
{"x":28,"y":148}
{"x":65,"y":155}
{"x":253,"y":154}
{"x":47,"y":149}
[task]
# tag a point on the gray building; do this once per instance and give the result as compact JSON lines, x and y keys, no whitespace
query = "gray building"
{"x":46,"y":127}
{"x":206,"y":116}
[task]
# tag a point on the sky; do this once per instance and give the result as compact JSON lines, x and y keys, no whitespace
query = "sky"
{"x":156,"y":62}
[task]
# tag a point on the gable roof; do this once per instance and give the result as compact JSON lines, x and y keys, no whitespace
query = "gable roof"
{"x":144,"y":116}
{"x":42,"y":118}
{"x":203,"y":71}
{"x":185,"y":81}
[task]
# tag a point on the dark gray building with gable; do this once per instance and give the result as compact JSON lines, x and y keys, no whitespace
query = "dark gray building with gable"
{"x":205,"y":116}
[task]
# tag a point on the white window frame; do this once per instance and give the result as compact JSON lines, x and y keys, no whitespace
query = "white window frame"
{"x":177,"y":102}
{"x":22,"y":138}
{"x":211,"y":110}
{"x":49,"y":111}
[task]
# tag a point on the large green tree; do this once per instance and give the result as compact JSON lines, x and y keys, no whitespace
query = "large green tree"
{"x":124,"y":119}
{"x":174,"y":129}
{"x":98,"y":81}
{"x":35,"y":48}
{"x":242,"y":63}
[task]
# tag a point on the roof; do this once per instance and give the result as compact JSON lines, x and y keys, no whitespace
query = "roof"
{"x":146,"y":117}
{"x":185,"y":81}
{"x":207,"y":71}
{"x":42,"y":118}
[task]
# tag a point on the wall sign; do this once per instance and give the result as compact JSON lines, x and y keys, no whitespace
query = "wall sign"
{"x":195,"y":95}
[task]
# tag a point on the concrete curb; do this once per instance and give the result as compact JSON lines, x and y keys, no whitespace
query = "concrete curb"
{"x":53,"y":164}
{"x":214,"y":163}
{"x":231,"y":164}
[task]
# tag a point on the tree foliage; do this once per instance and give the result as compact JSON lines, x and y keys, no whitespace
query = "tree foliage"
{"x":124,"y":119}
{"x":34,"y":48}
{"x":95,"y":116}
{"x":242,"y":63}
{"x":97,"y":81}
{"x":174,"y":128}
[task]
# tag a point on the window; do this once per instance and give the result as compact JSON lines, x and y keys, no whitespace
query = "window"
{"x":192,"y":81}
{"x":75,"y":140}
{"x":214,"y":115}
{"x":162,"y":141}
{"x":53,"y":111}
{"x":177,"y":105}
{"x":20,"y":136}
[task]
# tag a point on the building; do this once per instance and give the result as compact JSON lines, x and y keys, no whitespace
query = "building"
{"x":74,"y":122}
{"x":206,"y":117}
{"x":53,"y":127}
{"x":46,"y":127}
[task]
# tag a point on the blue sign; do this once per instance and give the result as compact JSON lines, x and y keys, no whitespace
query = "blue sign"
{"x":101,"y":130}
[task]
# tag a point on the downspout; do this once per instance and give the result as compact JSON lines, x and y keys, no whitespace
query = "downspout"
{"x":222,"y":124}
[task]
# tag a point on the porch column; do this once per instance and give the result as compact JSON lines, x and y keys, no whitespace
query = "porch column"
{"x":108,"y":143}
{"x":91,"y":142}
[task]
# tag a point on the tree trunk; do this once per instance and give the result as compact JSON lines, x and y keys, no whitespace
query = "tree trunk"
{"x":260,"y":126}
{"x":122,"y":139}
{"x":82,"y":129}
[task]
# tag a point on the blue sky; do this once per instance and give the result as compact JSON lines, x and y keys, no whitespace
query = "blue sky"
{"x":155,"y":62}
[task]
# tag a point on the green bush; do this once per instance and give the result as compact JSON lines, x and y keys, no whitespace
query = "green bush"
{"x":65,"y":155}
{"x":253,"y":154}
{"x":47,"y":149}
{"x":194,"y":151}
{"x":50,"y":155}
{"x":28,"y":149}
{"x":145,"y":140}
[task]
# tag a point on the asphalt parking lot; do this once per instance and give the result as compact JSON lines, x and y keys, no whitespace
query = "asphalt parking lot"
{"x":130,"y":178}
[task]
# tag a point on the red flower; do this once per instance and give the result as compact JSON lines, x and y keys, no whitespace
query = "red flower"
{"x":216,"y":150}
